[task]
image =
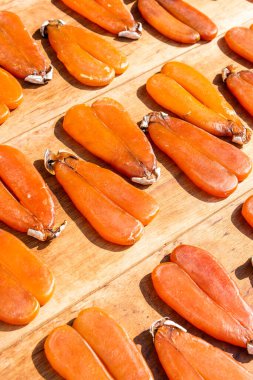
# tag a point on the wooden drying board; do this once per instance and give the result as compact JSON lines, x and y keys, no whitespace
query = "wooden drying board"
{"x":88,"y":270}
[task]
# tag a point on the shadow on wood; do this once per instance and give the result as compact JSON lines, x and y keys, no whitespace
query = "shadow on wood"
{"x":40,"y":360}
{"x":245,"y":271}
{"x":41,"y":363}
{"x":240,"y":223}
{"x":29,"y":241}
{"x":145,"y":340}
{"x":7,"y":328}
{"x":155,"y":302}
{"x":231,"y":54}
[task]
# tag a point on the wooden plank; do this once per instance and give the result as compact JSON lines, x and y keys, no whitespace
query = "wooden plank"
{"x":81,"y":261}
{"x":81,"y":267}
{"x":46,"y":102}
{"x":132,"y":301}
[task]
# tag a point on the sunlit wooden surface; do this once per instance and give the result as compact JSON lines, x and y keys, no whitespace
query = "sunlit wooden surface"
{"x":88,"y":270}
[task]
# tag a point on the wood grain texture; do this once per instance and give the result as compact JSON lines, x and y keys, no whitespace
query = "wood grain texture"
{"x":64,"y":91}
{"x":132,"y":301}
{"x":87,"y":269}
